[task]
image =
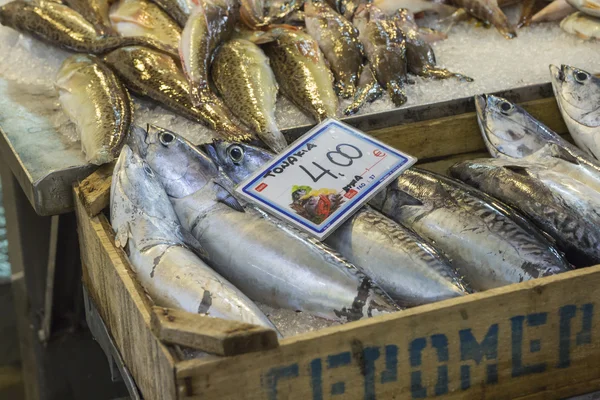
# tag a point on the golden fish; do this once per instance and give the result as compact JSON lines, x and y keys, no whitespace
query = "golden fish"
{"x":302,"y":73}
{"x":156,"y":75}
{"x":97,"y":103}
{"x":95,"y":12}
{"x":242,"y":75}
{"x":61,"y":26}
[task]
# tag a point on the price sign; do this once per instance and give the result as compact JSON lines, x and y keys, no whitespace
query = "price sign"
{"x":324,"y":177}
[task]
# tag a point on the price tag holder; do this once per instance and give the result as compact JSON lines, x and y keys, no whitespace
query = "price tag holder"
{"x":324,"y":177}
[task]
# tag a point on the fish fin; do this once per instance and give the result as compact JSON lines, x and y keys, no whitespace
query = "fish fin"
{"x":225,"y":192}
{"x":193,"y":244}
{"x":557,"y":151}
{"x":517,"y":169}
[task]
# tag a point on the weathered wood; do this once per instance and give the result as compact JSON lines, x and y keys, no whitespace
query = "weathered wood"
{"x":123,"y":305}
{"x":94,"y":191}
{"x":540,"y":335}
{"x":212,"y":335}
{"x":457,"y":134}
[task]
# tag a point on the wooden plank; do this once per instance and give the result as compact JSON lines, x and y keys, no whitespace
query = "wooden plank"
{"x":94,"y":191}
{"x":123,"y":305}
{"x":212,"y":335}
{"x":537,"y":336}
{"x":458,"y":134}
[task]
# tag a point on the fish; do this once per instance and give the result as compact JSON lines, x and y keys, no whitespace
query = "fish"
{"x":406,"y":267}
{"x":509,"y":132}
{"x":270,"y":261}
{"x":488,"y":245}
{"x":555,"y":11}
{"x":97,"y":103}
{"x":345,"y":8}
{"x":146,"y":19}
{"x":302,"y":73}
{"x":173,"y":275}
{"x":589,"y":7}
{"x":577,"y":93}
{"x":179,"y":10}
{"x":389,"y":7}
{"x":95,"y":12}
{"x":368,"y":91}
{"x":582,"y":25}
{"x":571,"y":221}
{"x":385,"y":46}
{"x":156,"y":75}
{"x":61,"y":26}
{"x":488,"y":11}
{"x":211,"y":23}
{"x":419,"y":54}
{"x":338,"y":40}
{"x":243,"y":77}
{"x":259,"y":14}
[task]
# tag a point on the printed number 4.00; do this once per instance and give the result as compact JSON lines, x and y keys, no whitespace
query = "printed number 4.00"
{"x":331,"y":158}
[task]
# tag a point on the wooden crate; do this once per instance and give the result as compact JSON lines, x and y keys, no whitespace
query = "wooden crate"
{"x":534,"y":340}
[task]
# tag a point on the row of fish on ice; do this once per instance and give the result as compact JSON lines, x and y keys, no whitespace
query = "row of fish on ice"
{"x":529,"y":212}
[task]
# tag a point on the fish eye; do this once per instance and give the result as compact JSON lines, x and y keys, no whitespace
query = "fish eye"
{"x":506,"y":107}
{"x":148,"y":170}
{"x":236,"y":153}
{"x":166,"y":138}
{"x":581,"y":76}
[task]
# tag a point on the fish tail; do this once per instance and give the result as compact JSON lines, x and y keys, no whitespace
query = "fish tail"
{"x":443,"y":73}
{"x":110,"y":43}
{"x":500,"y":21}
{"x":397,"y":92}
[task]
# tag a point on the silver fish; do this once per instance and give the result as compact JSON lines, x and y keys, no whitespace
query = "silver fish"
{"x":571,"y":222}
{"x":578,"y":95}
{"x":509,"y":132}
{"x":147,"y":227}
{"x":410,"y":270}
{"x":485,"y":243}
{"x":268,"y":260}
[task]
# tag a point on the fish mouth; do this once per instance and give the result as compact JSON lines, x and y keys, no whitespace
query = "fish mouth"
{"x":481,"y":101}
{"x":137,"y":140}
{"x":557,"y":73}
{"x":210,"y":149}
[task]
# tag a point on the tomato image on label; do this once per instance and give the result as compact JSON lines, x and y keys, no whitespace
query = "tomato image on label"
{"x":315,"y":205}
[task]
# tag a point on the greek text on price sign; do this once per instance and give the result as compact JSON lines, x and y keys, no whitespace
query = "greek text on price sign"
{"x":324,"y":177}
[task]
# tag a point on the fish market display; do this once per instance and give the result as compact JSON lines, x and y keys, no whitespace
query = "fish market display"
{"x":549,"y":199}
{"x":242,"y":75}
{"x":338,"y":40}
{"x":147,"y":227}
{"x":143,"y":18}
{"x":582,"y":25}
{"x":210,"y":23}
{"x":487,"y":243}
{"x":385,"y":47}
{"x":266,"y":259}
{"x":578,"y":95}
{"x":97,"y":103}
{"x":156,"y":75}
{"x":94,"y":11}
{"x":410,"y":270}
{"x":302,"y":73}
{"x":589,"y":7}
{"x":59,"y":25}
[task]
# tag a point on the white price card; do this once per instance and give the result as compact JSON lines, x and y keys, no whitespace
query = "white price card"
{"x":324,"y":177}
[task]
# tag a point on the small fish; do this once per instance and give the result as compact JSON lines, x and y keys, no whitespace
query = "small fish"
{"x":259,"y":14}
{"x":302,"y":72}
{"x":179,"y":10}
{"x":555,"y":11}
{"x":385,"y":47}
{"x":589,"y":7}
{"x":570,"y":219}
{"x":488,"y":11}
{"x":156,"y":75}
{"x":97,"y":103}
{"x":338,"y":40}
{"x":61,"y":26}
{"x":243,"y":77}
{"x":488,"y":244}
{"x":510,"y":132}
{"x":419,"y":54}
{"x":346,"y":8}
{"x":143,"y":18}
{"x":410,"y":270}
{"x":368,"y":91}
{"x":147,"y":227}
{"x":210,"y":24}
{"x":95,"y":12}
{"x":268,"y":260}
{"x":578,"y":95}
{"x":389,"y":7}
{"x":582,"y":25}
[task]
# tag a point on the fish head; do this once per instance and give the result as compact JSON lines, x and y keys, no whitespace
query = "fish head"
{"x":9,"y":11}
{"x":507,"y":129}
{"x":578,"y":94}
{"x":181,"y":167}
{"x":237,"y":160}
